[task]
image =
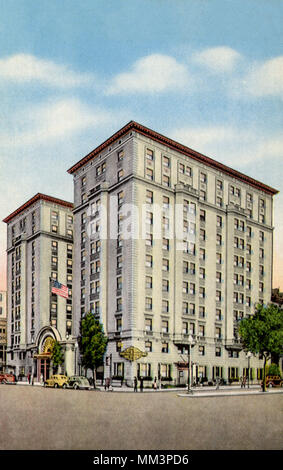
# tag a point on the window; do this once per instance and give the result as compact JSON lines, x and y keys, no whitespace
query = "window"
{"x":148,"y":282}
{"x":120,"y":175}
{"x":261,"y":236}
{"x":165,"y":203}
{"x":185,"y":287}
{"x":166,"y":180}
{"x":185,"y":308}
{"x":218,"y":277}
{"x":218,"y":333}
{"x":165,"y":264}
{"x":218,"y":296}
{"x":218,"y":314}
{"x":165,"y":244}
{"x":202,"y":234}
{"x":203,"y":178}
{"x":121,"y":196}
{"x":202,"y":195}
{"x":202,"y":215}
{"x":149,"y":154}
{"x":202,"y":311}
{"x":165,"y":285}
{"x":218,"y":239}
{"x":148,"y":324}
{"x":149,"y":197}
{"x":149,"y":174}
{"x":166,"y":162}
{"x":181,"y":168}
{"x":218,"y":258}
{"x":189,"y":171}
{"x":164,"y":326}
{"x":219,"y":184}
{"x":148,"y":303}
{"x":261,"y":253}
{"x":148,"y":346}
{"x":165,"y":306}
{"x":202,"y":273}
{"x":119,"y":262}
{"x":120,"y":155}
{"x":119,"y":322}
{"x":219,"y":201}
{"x":148,"y":261}
{"x":192,"y":310}
{"x":185,"y":328}
{"x":218,"y":352}
{"x":202,"y":292}
{"x":218,"y":221}
{"x":149,"y":239}
{"x":164,"y":348}
{"x":119,"y":283}
{"x":192,"y":288}
{"x":201,"y":330}
{"x":202,"y":254}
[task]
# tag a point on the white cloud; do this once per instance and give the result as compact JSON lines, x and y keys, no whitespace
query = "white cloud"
{"x":218,"y":59}
{"x":155,"y":73}
{"x":24,"y":68}
{"x":53,"y":121}
{"x":265,"y":79}
{"x":230,"y":145}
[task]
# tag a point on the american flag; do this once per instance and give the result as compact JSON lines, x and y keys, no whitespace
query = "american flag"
{"x":59,"y":289}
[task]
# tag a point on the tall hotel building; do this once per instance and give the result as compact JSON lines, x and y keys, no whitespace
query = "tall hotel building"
{"x":39,"y":248}
{"x":170,"y":246}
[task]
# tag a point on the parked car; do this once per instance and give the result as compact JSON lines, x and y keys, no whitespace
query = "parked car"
{"x":57,"y":381}
{"x":273,"y":381}
{"x":78,"y":382}
{"x":7,"y":378}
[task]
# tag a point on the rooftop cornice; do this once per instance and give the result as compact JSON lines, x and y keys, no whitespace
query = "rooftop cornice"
{"x":172,"y":144}
{"x":37,"y":197}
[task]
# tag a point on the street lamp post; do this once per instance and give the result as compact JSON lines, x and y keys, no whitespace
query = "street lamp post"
{"x":191,"y":342}
{"x":249,"y":354}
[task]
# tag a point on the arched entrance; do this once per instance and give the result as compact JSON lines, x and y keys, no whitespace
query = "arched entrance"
{"x":44,"y":358}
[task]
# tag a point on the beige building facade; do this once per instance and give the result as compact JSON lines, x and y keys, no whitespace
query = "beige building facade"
{"x":3,"y":330}
{"x":39,"y":251}
{"x":172,"y":249}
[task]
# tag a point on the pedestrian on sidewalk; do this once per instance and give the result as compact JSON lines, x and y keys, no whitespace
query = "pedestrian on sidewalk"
{"x":135,"y":384}
{"x":155,"y":383}
{"x":217,"y":383}
{"x":141,"y":384}
{"x":244,"y":381}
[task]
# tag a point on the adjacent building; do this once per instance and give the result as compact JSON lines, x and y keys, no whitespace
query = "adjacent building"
{"x":170,"y":248}
{"x":3,"y":329}
{"x":39,"y":251}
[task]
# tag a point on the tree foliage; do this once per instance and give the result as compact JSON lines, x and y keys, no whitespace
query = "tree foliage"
{"x":92,"y":343}
{"x":57,"y":355}
{"x":262,"y":333}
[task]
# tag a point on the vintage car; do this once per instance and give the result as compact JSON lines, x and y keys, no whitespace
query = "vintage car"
{"x":273,"y":381}
{"x":57,"y":381}
{"x":78,"y":382}
{"x":7,"y":378}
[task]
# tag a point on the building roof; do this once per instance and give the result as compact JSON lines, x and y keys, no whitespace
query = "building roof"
{"x":132,"y":125}
{"x":37,"y":197}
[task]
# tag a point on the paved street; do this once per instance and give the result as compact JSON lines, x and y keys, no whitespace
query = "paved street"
{"x":39,"y":418}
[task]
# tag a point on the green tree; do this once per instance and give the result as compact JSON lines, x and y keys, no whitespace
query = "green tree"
{"x":262,"y":333}
{"x":92,"y":343}
{"x":57,"y":355}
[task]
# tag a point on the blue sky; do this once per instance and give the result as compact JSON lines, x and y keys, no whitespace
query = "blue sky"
{"x":208,"y":73}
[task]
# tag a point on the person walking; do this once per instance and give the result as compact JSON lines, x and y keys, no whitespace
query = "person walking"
{"x":141,"y":384}
{"x":217,"y":383}
{"x":155,"y":383}
{"x":135,"y":384}
{"x":244,"y":381}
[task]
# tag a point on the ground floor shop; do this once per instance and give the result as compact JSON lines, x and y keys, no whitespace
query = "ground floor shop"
{"x":206,"y":363}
